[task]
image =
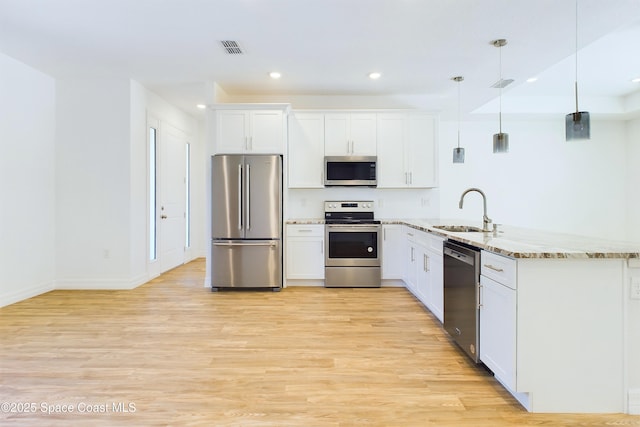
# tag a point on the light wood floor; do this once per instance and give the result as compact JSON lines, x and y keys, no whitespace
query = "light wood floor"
{"x":183,"y":356}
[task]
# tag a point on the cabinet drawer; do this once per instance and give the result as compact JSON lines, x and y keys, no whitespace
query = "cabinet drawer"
{"x":499,"y":268}
{"x":435,"y":243}
{"x":299,"y":230}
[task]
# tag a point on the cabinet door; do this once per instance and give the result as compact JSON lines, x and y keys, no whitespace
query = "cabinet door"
{"x":436,"y":284}
{"x":422,"y":276}
{"x":305,"y":252}
{"x":411,"y":263}
{"x":421,"y":151}
{"x":363,"y":134}
{"x":498,"y":330}
{"x":337,"y":140}
{"x":266,"y":133}
{"x":392,"y":251}
{"x":232,"y":128}
{"x":306,"y":151}
{"x":392,"y":135}
{"x":350,"y":134}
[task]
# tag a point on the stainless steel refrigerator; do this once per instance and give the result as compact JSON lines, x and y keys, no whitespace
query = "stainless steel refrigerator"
{"x":246,"y":221}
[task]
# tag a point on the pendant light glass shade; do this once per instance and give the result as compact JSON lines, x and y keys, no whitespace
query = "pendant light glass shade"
{"x":458,"y":155}
{"x":578,"y":124}
{"x":500,"y":139}
{"x":500,"y":142}
{"x":458,"y":152}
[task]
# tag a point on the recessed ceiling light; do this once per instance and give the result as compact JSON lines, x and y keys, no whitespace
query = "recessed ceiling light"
{"x":275,"y":75}
{"x":201,"y":106}
{"x":636,"y":80}
{"x":374,"y":75}
{"x":532,"y":79}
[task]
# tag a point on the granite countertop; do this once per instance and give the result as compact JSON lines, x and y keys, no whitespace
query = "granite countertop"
{"x":518,"y":242}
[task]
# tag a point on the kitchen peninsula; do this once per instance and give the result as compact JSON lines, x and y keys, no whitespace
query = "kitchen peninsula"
{"x":562,"y":333}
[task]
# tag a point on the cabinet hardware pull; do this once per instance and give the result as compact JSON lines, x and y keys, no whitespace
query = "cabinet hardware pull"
{"x":499,"y":270}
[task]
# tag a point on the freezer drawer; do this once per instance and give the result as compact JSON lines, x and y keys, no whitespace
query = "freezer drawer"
{"x":246,"y":264}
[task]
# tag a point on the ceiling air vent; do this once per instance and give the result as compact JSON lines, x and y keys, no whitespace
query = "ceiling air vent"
{"x":231,"y":47}
{"x":502,"y":83}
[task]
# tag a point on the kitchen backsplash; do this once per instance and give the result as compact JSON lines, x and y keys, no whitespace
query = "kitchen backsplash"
{"x":399,"y":203}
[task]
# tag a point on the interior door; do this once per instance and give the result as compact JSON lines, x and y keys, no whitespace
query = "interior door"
{"x":172,"y":197}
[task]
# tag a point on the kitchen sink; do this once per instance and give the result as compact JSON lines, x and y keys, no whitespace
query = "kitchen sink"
{"x":458,"y":228}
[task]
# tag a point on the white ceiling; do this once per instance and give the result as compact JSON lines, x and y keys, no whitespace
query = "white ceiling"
{"x":328,"y":47}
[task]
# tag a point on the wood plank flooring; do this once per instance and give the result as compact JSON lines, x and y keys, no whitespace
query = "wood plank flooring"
{"x":172,"y":353}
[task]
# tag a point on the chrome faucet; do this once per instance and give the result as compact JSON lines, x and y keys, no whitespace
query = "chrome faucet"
{"x":485,"y":219}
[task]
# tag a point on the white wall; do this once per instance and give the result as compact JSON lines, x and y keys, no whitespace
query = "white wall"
{"x":27,"y":215}
{"x":102,"y":181}
{"x":633,"y":180}
{"x":544,"y":182}
{"x":93,"y":178}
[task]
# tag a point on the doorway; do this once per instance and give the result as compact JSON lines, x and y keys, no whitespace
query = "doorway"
{"x":169,"y":196}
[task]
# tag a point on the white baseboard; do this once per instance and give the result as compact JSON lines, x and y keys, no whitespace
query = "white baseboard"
{"x":634,"y":401}
{"x":25,"y":293}
{"x":100,"y":284}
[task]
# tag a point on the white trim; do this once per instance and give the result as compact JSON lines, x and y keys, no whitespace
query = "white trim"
{"x":101,"y":284}
{"x":634,"y":402}
{"x":25,"y":293}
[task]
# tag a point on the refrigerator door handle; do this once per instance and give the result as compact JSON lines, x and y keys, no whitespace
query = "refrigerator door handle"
{"x":248,"y":197}
{"x":271,"y":243}
{"x":240,"y":197}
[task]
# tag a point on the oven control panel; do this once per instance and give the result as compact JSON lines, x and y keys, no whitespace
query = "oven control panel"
{"x":348,"y":206}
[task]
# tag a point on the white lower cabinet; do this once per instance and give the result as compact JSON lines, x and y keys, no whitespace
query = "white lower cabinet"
{"x":411,"y":260}
{"x":498,"y":330}
{"x":424,"y":271}
{"x":392,"y":252}
{"x":305,"y":252}
{"x":435,"y":301}
{"x":498,"y":317}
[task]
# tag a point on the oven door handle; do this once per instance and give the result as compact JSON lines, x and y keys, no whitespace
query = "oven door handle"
{"x":353,"y":228}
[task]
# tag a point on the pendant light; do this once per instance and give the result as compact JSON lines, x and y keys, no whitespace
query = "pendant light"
{"x":578,"y":124}
{"x":500,"y":139}
{"x":458,"y":153}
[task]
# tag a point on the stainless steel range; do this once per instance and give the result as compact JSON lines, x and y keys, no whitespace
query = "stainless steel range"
{"x":352,"y":245}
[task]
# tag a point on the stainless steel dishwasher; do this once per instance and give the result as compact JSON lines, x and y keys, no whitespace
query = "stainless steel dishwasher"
{"x":461,"y":296}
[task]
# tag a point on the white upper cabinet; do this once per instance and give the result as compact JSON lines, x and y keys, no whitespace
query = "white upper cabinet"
{"x":350,"y":134}
{"x":250,"y":131}
{"x":306,"y":150}
{"x":407,"y":150}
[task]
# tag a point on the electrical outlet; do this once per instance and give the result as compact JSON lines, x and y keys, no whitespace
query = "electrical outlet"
{"x":635,"y":288}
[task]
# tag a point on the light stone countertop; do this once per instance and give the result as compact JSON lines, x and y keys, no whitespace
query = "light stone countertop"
{"x":518,"y":242}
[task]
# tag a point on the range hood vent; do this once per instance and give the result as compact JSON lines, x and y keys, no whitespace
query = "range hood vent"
{"x":231,"y":47}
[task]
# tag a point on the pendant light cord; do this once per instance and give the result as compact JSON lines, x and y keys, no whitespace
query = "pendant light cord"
{"x":576,"y":59}
{"x":500,"y":96}
{"x":459,"y":113}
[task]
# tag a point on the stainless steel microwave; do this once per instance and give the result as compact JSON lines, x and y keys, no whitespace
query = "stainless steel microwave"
{"x":356,"y":171}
